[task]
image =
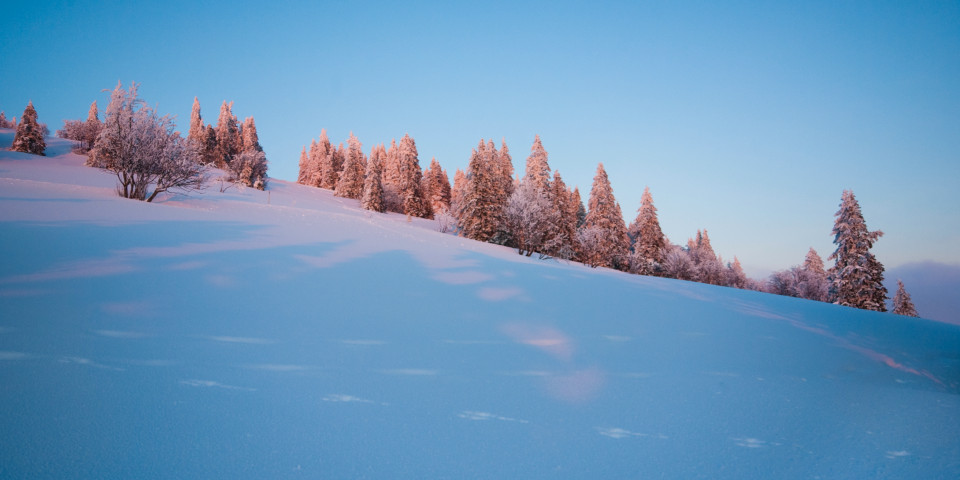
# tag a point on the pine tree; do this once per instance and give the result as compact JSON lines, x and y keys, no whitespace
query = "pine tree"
{"x":29,"y":136}
{"x":479,"y":216}
{"x":372,"y":184}
{"x":811,"y":278}
{"x":857,"y":276}
{"x":410,"y":177}
{"x":607,"y":229}
{"x":902,"y":304}
{"x":251,"y":142}
{"x":538,"y":168}
{"x":354,"y":168}
{"x":227,"y":135}
{"x":437,"y":187}
{"x":323,"y":169}
{"x":581,"y":209}
{"x":734,"y":275}
{"x":4,"y":123}
{"x":197,"y":133}
{"x":210,"y":151}
{"x":649,"y":244}
{"x":563,"y":203}
{"x":303,"y":165}
{"x":332,"y":165}
{"x":506,"y":168}
{"x":92,"y":126}
{"x":458,"y":192}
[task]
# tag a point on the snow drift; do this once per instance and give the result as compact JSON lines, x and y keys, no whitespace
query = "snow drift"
{"x":290,"y":334}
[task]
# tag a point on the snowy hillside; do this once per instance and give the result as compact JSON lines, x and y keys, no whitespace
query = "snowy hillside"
{"x":290,"y":334}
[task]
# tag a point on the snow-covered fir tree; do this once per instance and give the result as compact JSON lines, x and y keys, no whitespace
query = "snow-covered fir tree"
{"x":210,"y":152}
{"x":606,"y":235}
{"x":372,"y":185}
{"x":902,"y":303}
{"x":479,"y":214}
{"x":812,"y":282}
{"x":323,"y":166}
{"x":505,"y":172}
{"x":410,"y":176}
{"x":733,"y":275}
{"x":437,"y":187}
{"x":857,"y":276}
{"x":227,"y":135}
{"x":29,"y":136}
{"x":351,"y":180}
{"x":331,"y":166}
{"x":566,"y":209}
{"x":302,"y":166}
{"x":457,"y":192}
{"x":538,"y":166}
{"x":648,"y":241}
{"x":197,"y":132}
{"x":4,"y":123}
{"x":707,"y":267}
{"x":251,"y":141}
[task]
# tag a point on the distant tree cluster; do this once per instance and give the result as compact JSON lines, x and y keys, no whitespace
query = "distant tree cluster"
{"x":855,"y":279}
{"x":83,"y":132}
{"x":390,"y":180}
{"x":5,"y":123}
{"x":30,"y":133}
{"x":230,"y":146}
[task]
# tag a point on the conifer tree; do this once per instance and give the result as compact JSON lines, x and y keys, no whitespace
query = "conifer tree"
{"x":92,"y":126}
{"x":902,"y":304}
{"x":332,"y":165}
{"x":458,"y":192}
{"x":351,"y":180}
{"x":566,"y":226}
{"x":372,"y":184}
{"x":410,"y":179}
{"x":479,"y":217}
{"x":538,"y":168}
{"x":227,"y":136}
{"x":811,"y":278}
{"x":323,"y":165}
{"x":437,"y":187}
{"x":251,"y":142}
{"x":303,"y":164}
{"x":581,"y":209}
{"x":857,"y":276}
{"x":608,"y":230}
{"x":197,"y":132}
{"x":4,"y":123}
{"x":649,"y":244}
{"x":29,"y":136}
{"x":734,"y":275}
{"x":506,"y":168}
{"x":210,"y":151}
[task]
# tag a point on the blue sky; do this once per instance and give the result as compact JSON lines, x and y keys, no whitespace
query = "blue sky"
{"x":744,"y":118}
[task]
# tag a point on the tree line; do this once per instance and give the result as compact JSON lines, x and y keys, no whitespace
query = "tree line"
{"x":539,"y":214}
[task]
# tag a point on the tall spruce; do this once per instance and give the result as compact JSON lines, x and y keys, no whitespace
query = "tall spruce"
{"x":303,"y":164}
{"x":29,"y":136}
{"x":538,"y":167}
{"x":323,"y":166}
{"x":410,"y":176}
{"x":480,"y":217}
{"x":372,"y":185}
{"x":437,"y":187}
{"x":354,"y":168}
{"x":227,"y":135}
{"x":649,"y":244}
{"x":506,"y":168}
{"x":902,"y":303}
{"x":197,"y":133}
{"x":857,"y":275}
{"x":610,"y":243}
{"x":566,"y":226}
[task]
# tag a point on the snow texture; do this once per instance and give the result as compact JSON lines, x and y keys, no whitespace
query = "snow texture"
{"x":292,"y":334}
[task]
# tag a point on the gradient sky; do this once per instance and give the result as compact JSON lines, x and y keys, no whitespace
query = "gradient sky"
{"x":745,"y":118}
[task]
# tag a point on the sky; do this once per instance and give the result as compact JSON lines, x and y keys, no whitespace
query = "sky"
{"x":747,"y":119}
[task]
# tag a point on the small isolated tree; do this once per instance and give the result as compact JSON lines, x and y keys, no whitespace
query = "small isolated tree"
{"x":143,"y":150}
{"x":902,"y":304}
{"x":857,"y":276}
{"x":29,"y":136}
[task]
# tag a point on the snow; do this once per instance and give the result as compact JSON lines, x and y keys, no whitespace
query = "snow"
{"x":291,"y":334}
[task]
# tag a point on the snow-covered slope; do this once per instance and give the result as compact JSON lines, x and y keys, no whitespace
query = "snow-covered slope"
{"x":290,"y":334}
